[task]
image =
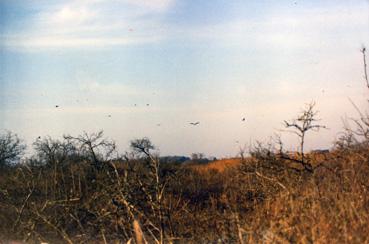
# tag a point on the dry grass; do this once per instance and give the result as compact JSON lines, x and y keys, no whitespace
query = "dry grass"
{"x":218,"y":165}
{"x":223,"y":165}
{"x":331,"y":205}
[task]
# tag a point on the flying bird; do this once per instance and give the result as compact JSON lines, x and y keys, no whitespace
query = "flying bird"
{"x":109,"y":115}
{"x":243,"y":119}
{"x":195,"y":123}
{"x":147,"y":104}
{"x":56,"y":106}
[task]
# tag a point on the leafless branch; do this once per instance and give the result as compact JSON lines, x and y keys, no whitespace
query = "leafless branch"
{"x":363,"y":50}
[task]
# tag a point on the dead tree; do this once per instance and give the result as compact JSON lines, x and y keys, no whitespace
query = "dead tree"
{"x":304,"y":123}
{"x":144,"y":146}
{"x":95,"y":147}
{"x":363,"y":50}
{"x":362,"y":123}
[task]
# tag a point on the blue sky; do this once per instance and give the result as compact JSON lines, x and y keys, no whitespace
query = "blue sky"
{"x":209,"y":61}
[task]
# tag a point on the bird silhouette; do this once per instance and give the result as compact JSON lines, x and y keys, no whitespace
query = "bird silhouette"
{"x":194,"y":123}
{"x":147,"y":104}
{"x":109,"y":116}
{"x":56,"y":106}
{"x":243,"y":119}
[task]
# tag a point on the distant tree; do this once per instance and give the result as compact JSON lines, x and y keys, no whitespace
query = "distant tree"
{"x":197,"y":156}
{"x":142,"y":146}
{"x":174,"y":159}
{"x":304,"y":123}
{"x":94,"y":146}
{"x":11,"y":149}
{"x":53,"y":152}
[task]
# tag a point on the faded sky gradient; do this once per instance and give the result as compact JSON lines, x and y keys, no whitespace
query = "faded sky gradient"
{"x":209,"y":61}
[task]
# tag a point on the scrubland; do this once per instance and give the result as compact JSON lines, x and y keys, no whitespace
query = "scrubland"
{"x":76,"y":191}
{"x":81,"y":190}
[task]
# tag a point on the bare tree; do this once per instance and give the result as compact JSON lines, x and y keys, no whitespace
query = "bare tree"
{"x":51,"y":151}
{"x":11,"y":148}
{"x":198,"y":158}
{"x":304,"y":123}
{"x":362,"y":123}
{"x":242,"y":152}
{"x":94,"y":146}
{"x":54,"y":154}
{"x":363,"y":50}
{"x":144,"y":146}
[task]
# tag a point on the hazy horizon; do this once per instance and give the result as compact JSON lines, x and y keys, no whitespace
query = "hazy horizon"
{"x":126,"y":66}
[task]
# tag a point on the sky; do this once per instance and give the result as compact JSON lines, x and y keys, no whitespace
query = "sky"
{"x":148,"y":68}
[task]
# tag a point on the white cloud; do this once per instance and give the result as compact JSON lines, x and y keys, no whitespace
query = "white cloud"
{"x":106,"y":23}
{"x":68,"y":14}
{"x":92,"y":24}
